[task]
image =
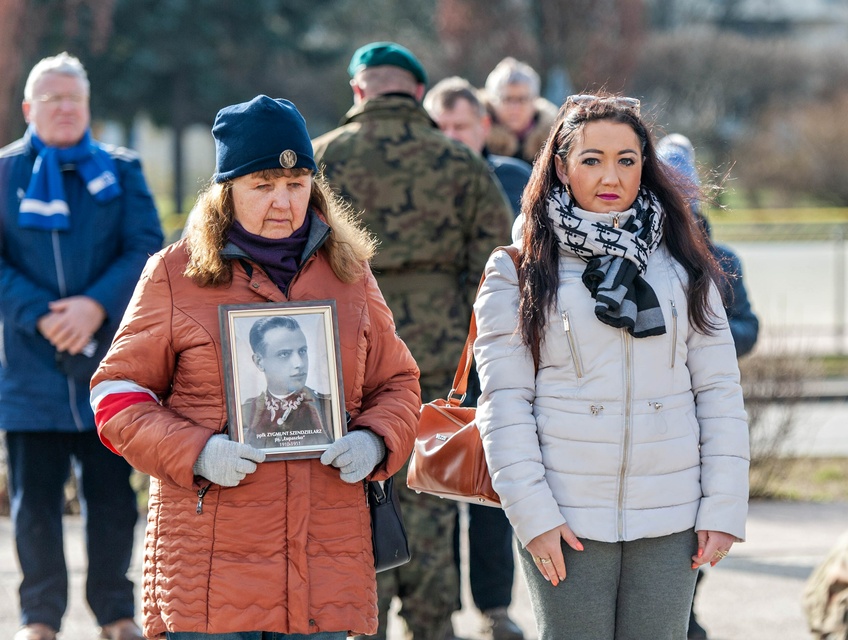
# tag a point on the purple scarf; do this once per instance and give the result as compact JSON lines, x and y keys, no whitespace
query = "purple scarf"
{"x":280,"y":258}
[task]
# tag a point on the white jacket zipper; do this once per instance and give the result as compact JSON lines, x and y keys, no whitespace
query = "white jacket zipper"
{"x":673,"y":333}
{"x":572,"y":344}
{"x":628,"y":419}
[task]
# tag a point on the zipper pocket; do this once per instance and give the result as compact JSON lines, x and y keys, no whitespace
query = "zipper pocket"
{"x":572,"y":344}
{"x":201,"y":493}
{"x":673,"y":333}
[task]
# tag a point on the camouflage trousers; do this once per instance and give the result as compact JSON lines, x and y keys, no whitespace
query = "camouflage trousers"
{"x":428,"y":585}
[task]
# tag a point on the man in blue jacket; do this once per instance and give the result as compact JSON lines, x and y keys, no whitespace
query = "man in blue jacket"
{"x":77,"y":223}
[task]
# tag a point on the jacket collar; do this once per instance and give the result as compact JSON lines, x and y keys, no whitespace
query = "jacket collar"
{"x":392,"y":106}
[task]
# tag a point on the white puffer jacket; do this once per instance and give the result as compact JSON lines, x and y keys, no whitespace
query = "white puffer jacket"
{"x":622,"y":438}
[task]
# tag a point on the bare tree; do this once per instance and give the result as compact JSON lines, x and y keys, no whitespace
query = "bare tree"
{"x":797,"y":153}
{"x":596,"y":40}
{"x":772,"y":383}
{"x":12,"y":20}
{"x":713,"y":86}
{"x":30,"y":30}
{"x":476,"y":34}
{"x":580,"y":43}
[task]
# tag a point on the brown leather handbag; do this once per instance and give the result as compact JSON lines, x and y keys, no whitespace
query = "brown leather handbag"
{"x":447,"y":459}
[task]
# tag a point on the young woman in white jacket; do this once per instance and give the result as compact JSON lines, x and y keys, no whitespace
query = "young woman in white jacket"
{"x":611,"y":412}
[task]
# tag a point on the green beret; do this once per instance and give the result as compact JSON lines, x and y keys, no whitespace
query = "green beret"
{"x":386,"y":53}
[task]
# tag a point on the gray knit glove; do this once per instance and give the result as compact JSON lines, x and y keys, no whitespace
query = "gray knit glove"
{"x":226,"y":462}
{"x":356,"y":454}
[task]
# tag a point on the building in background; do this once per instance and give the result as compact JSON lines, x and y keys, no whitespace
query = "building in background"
{"x":819,"y":23}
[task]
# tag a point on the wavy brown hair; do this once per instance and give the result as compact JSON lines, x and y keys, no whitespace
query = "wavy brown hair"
{"x":349,"y":246}
{"x":538,"y":275}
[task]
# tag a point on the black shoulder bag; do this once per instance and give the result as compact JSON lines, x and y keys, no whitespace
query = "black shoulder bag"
{"x":388,"y":535}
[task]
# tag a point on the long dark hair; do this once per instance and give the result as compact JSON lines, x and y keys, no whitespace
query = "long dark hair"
{"x":538,"y":274}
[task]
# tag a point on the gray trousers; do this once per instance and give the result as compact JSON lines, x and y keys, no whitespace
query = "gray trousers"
{"x":639,"y":590}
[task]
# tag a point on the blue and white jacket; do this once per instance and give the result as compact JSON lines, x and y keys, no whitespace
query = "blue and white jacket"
{"x":100,"y":256}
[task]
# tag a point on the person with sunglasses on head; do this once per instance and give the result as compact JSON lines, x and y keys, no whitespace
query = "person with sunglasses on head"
{"x":611,"y":411}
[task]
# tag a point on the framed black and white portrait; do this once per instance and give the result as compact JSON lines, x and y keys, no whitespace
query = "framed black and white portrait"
{"x":282,"y":368}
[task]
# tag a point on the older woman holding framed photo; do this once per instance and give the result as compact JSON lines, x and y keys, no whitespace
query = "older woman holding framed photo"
{"x":239,"y":547}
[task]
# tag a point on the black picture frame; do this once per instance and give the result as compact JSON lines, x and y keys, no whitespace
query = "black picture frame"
{"x":272,"y":403}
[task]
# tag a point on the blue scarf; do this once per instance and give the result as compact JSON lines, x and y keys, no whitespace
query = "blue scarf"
{"x":45,"y":206}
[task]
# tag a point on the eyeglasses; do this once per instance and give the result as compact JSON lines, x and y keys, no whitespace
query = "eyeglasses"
{"x":515,"y":100}
{"x":619,"y":101}
{"x":59,"y":98}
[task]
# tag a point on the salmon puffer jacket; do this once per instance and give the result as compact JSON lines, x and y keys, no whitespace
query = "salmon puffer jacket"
{"x":288,"y":550}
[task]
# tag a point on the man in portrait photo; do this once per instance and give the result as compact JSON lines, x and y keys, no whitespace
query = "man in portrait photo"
{"x":287,"y":413}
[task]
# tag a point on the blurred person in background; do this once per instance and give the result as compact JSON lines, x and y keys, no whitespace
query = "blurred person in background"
{"x":521,"y":117}
{"x":611,"y":412}
{"x":239,"y":548}
{"x":677,"y":152}
{"x":437,"y":212}
{"x":78,"y":223}
{"x":454,"y":105}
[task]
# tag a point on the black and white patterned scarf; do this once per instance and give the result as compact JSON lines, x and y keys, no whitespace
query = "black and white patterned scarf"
{"x":616,"y":258}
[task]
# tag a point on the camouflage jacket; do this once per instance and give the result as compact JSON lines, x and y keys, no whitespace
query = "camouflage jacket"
{"x":438,"y":213}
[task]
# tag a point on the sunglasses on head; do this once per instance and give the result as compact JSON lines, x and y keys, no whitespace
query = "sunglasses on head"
{"x":619,"y":101}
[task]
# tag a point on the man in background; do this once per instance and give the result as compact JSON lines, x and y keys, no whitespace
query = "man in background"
{"x":78,"y":224}
{"x":454,"y":106}
{"x":438,"y":213}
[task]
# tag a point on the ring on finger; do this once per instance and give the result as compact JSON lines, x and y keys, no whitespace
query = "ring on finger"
{"x":544,"y":560}
{"x":720,"y":554}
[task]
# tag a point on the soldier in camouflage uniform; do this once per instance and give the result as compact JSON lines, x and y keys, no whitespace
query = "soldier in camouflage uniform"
{"x":438,"y":214}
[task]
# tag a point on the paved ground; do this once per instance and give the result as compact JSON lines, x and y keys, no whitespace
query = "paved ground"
{"x":752,"y":595}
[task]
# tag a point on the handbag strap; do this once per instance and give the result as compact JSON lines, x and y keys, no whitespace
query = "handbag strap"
{"x":460,"y":380}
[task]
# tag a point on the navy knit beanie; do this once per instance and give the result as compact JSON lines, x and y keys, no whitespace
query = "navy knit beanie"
{"x":261,"y":134}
